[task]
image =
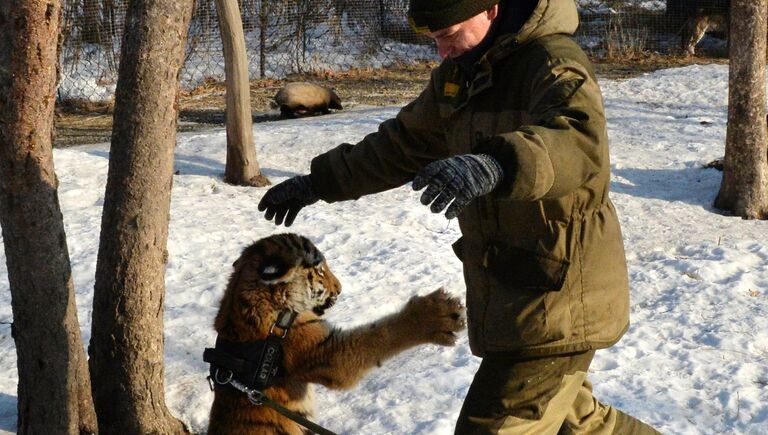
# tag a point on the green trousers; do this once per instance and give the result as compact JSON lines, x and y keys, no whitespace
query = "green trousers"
{"x":539,"y":397}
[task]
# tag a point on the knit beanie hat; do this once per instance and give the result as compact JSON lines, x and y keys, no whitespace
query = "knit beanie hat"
{"x":432,"y":15}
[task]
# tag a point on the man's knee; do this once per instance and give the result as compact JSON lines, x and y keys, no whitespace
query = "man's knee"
{"x":519,"y":397}
{"x":544,"y":396}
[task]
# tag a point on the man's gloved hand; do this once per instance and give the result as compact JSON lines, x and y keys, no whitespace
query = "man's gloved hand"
{"x":459,"y":179}
{"x":284,"y":200}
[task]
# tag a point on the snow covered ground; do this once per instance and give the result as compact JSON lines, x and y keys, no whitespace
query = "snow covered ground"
{"x":694,"y":361}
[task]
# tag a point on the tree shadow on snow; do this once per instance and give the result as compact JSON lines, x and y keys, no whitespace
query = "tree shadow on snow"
{"x":184,"y":164}
{"x":98,"y":153}
{"x":8,"y":417}
{"x":658,"y":114}
{"x":694,"y":185}
{"x":197,"y":165}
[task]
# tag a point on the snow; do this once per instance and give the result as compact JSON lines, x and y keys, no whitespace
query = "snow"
{"x":694,"y":361}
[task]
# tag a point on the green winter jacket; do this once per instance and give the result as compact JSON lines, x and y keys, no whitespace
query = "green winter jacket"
{"x":543,"y":255}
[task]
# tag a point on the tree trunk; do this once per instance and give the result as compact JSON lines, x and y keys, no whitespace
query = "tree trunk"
{"x":54,"y":393}
{"x":263,"y":24}
{"x":242,"y":167}
{"x":127,"y":330}
{"x":744,"y":189}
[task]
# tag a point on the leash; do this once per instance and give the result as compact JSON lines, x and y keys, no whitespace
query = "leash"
{"x":258,"y":398}
{"x":261,"y":373}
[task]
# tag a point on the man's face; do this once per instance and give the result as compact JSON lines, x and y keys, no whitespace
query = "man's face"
{"x":458,"y":39}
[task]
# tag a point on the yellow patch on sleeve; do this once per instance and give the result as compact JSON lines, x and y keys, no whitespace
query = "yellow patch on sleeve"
{"x":450,"y":89}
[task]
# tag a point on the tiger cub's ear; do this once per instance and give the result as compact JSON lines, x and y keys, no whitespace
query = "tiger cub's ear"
{"x":269,"y":270}
{"x":273,"y":271}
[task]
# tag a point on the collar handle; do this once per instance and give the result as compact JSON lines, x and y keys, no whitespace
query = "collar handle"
{"x":284,"y":321}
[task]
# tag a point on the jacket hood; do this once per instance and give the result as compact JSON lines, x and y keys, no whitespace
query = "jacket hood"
{"x":520,"y":22}
{"x":549,"y":17}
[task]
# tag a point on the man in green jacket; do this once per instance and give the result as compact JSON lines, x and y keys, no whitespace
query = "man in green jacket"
{"x":510,"y":138}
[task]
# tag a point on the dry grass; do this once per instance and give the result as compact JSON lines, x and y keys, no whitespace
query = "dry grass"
{"x":79,"y":122}
{"x":632,"y":66}
{"x":624,"y":41}
{"x":355,"y":87}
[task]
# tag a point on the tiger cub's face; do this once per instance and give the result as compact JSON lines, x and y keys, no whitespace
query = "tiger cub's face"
{"x":292,"y":270}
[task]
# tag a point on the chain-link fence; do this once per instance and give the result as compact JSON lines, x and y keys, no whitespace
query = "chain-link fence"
{"x":315,"y":36}
{"x":627,"y":29}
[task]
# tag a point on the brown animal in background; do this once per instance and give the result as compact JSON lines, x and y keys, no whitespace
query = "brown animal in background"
{"x":699,"y":16}
{"x":694,"y":29}
{"x":299,"y":99}
{"x":287,"y":272}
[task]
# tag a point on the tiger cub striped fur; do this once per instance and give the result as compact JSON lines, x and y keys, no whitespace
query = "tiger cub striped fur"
{"x":288,"y":271}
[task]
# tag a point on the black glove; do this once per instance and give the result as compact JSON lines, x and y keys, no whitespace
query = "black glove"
{"x":459,"y":179}
{"x":286,"y":199}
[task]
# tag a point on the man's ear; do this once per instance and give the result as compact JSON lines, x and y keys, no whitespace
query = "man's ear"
{"x":493,"y":12}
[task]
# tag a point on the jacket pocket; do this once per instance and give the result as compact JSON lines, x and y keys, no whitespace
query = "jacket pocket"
{"x":524,"y":269}
{"x":468,"y":250}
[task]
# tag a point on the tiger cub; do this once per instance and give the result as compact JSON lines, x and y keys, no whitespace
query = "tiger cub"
{"x":286,"y":271}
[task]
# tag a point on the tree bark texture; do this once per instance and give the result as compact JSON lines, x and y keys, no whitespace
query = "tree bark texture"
{"x":744,"y":189}
{"x":127,"y":341}
{"x":263,"y":25}
{"x":242,"y":167}
{"x":54,"y":392}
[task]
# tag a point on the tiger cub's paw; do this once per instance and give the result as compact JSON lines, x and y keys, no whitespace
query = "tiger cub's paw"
{"x":435,"y":318}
